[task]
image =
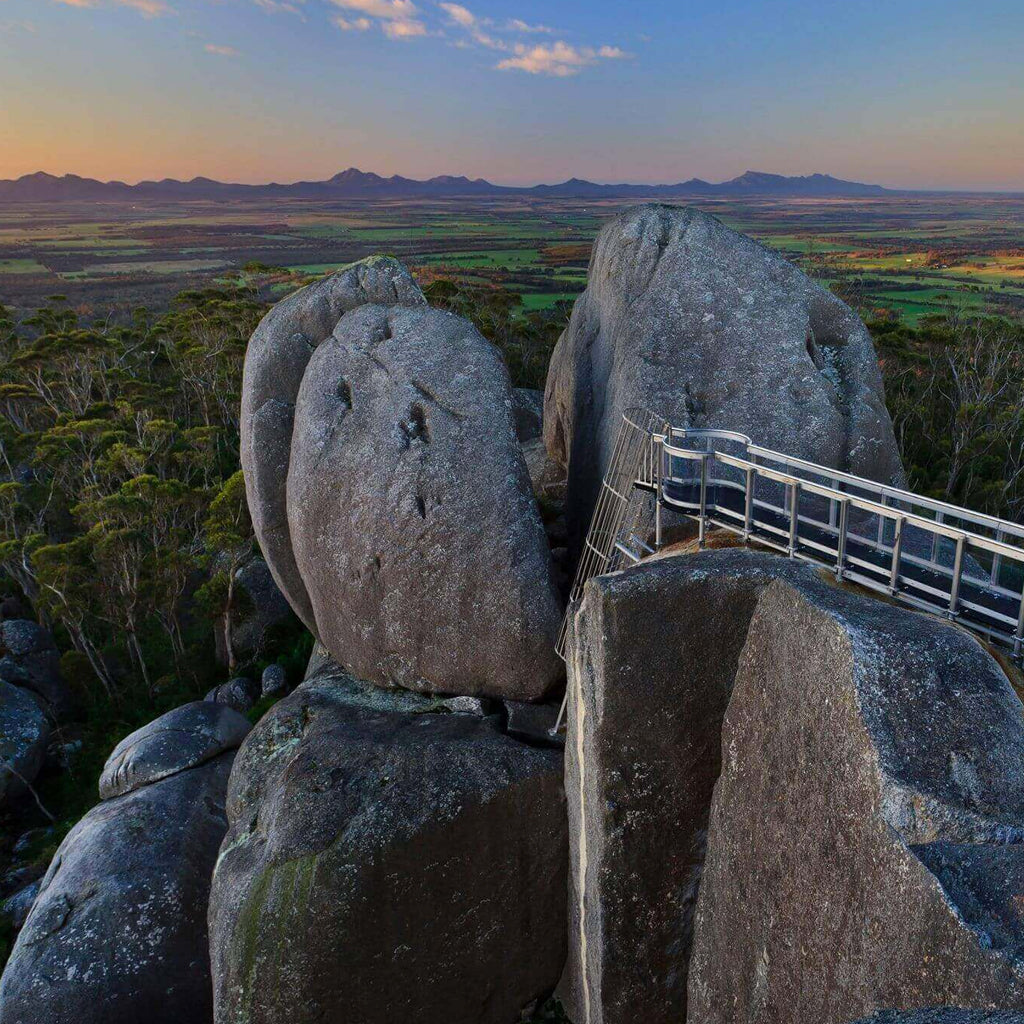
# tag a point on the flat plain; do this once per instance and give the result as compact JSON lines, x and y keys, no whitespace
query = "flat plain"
{"x":909,"y":254}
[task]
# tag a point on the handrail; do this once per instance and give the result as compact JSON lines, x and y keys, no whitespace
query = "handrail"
{"x":636,"y":463}
{"x":877,"y":564}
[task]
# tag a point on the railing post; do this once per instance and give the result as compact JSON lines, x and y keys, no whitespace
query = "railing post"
{"x":1018,"y":640}
{"x":657,"y":469}
{"x":997,"y":561}
{"x":881,"y":523}
{"x":748,"y":509}
{"x":703,"y":500}
{"x":936,"y":538}
{"x":794,"y":517}
{"x":958,"y":567}
{"x":897,"y":550}
{"x":844,"y":518}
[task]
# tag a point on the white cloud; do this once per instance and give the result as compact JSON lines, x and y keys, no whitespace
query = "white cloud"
{"x":402,"y":19}
{"x":518,"y":25}
{"x":148,"y":8}
{"x":356,"y":25}
{"x":221,"y":51}
{"x":459,"y":15}
{"x":280,"y":7}
{"x":386,"y":10}
{"x":559,"y":59}
{"x":466,"y":19}
{"x":403,"y":29}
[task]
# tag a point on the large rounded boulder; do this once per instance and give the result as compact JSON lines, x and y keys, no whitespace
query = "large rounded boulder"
{"x":708,"y":328}
{"x":390,"y":493}
{"x":275,"y":362}
{"x":411,"y":512}
{"x":117,"y":933}
{"x":181,"y":739}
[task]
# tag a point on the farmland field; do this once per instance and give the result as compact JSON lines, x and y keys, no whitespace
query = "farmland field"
{"x":911,"y":255}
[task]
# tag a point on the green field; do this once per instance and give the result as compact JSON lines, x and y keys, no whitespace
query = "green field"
{"x":909,"y":256}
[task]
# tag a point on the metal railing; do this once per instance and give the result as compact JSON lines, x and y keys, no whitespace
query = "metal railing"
{"x":612,"y":537}
{"x":926,"y":553}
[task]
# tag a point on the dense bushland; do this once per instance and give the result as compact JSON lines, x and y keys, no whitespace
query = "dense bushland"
{"x":122,"y":507}
{"x":955,"y":390}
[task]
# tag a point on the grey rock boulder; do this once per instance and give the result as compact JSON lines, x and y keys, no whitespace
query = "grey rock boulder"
{"x":16,"y":908}
{"x":802,"y":877}
{"x":183,"y":738}
{"x":528,"y":410}
{"x":29,"y":658}
{"x":274,"y":681}
{"x":411,"y":516}
{"x":547,"y":476}
{"x":275,"y":362}
{"x":24,"y":734}
{"x":866,"y":837}
{"x":652,"y":653}
{"x":532,"y":722}
{"x":383,"y":866}
{"x":240,"y":694}
{"x":708,"y":328}
{"x":117,"y":934}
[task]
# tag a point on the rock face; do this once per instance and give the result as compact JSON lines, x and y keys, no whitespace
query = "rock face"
{"x":29,"y":658}
{"x":652,"y":656}
{"x":183,"y":738}
{"x":24,"y":733}
{"x":118,"y":931}
{"x":709,"y":328}
{"x":870,"y":804}
{"x":528,"y":410}
{"x":411,"y":516}
{"x":275,"y":362}
{"x":387,"y":866}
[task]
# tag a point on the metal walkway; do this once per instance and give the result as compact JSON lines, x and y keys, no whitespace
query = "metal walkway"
{"x":935,"y":557}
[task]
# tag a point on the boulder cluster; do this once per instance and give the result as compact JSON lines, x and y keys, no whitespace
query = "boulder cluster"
{"x":776,"y":799}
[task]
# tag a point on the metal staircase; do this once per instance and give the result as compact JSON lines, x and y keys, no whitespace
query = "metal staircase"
{"x":614,"y":526}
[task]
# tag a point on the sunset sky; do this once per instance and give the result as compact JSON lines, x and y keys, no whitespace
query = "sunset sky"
{"x":915,"y":93}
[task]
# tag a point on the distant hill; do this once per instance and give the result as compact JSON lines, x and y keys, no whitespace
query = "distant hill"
{"x":353,"y":183}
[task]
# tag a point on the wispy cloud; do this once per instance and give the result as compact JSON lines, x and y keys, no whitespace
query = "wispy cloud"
{"x":518,"y":25}
{"x":403,"y":29}
{"x":402,"y":19}
{"x":281,"y":7}
{"x":559,"y":60}
{"x":386,"y":10}
{"x":10,"y":27}
{"x":398,"y":19}
{"x":356,"y":25}
{"x":459,"y":15}
{"x":148,"y":8}
{"x":221,"y":51}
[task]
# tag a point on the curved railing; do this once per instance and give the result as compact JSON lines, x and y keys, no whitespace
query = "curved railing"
{"x":926,"y":553}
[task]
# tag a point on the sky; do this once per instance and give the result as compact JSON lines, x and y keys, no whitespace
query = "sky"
{"x":905,"y":93}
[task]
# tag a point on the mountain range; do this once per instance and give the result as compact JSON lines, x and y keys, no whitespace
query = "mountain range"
{"x":355,"y":184}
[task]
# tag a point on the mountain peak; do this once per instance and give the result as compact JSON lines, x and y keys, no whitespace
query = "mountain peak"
{"x":43,"y":187}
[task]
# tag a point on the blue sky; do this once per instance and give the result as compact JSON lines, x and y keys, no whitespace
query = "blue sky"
{"x":908,"y":94}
